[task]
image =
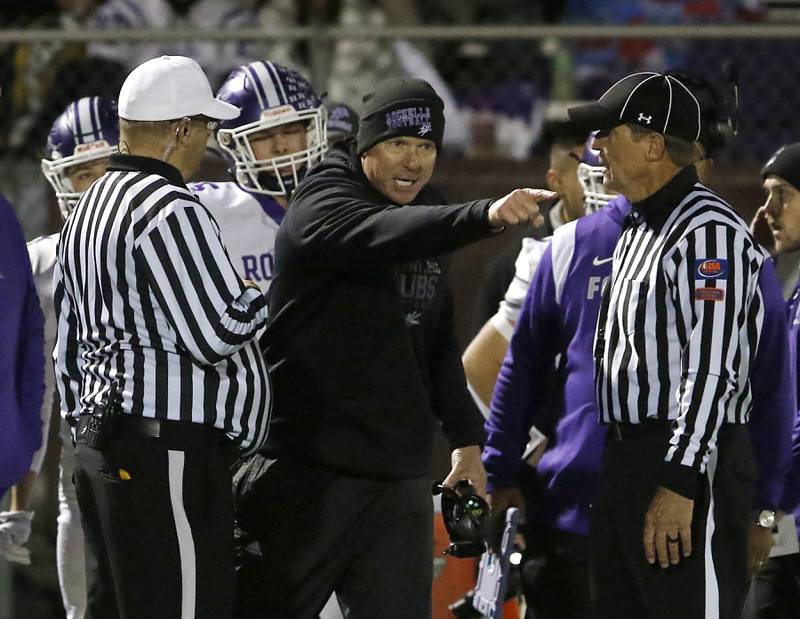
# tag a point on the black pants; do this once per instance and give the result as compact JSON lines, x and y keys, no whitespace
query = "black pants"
{"x":555,"y":574}
{"x":775,"y":590}
{"x":157,"y":514}
{"x":321,"y":531}
{"x":712,"y":582}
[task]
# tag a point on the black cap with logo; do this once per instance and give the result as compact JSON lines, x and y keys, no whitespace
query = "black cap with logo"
{"x":661,"y":103}
{"x":400,"y":107}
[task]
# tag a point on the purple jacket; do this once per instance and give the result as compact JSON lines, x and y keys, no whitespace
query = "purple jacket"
{"x":559,"y":318}
{"x":790,"y":502}
{"x":22,"y":358}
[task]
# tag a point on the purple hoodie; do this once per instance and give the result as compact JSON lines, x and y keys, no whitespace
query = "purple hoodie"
{"x":557,"y":326}
{"x":22,"y":358}
{"x":790,"y":502}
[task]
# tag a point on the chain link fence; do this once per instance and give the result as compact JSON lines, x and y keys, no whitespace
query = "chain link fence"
{"x":500,"y":84}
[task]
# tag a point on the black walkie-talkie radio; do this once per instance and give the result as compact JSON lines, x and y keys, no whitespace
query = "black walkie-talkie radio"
{"x":100,"y":427}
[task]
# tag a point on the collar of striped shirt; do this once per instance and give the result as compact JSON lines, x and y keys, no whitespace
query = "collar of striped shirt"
{"x":655,"y":209}
{"x":137,"y":163}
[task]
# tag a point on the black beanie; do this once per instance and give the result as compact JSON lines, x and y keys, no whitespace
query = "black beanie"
{"x":786,"y":164}
{"x":401,"y":107}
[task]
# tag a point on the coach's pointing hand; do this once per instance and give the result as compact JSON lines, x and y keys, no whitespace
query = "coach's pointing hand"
{"x":521,"y":206}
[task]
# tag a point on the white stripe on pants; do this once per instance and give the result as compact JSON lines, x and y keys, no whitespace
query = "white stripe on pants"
{"x":184,"y":533}
{"x":711,"y":585}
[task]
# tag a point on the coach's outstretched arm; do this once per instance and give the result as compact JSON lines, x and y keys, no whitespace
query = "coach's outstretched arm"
{"x":337,"y":220}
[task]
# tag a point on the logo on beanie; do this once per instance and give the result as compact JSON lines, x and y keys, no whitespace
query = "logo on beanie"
{"x":644,"y":118}
{"x":410,"y":117}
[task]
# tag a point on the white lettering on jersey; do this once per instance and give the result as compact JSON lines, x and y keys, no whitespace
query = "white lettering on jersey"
{"x":248,"y":232}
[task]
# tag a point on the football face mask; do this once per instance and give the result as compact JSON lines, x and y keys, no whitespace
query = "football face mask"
{"x":271,"y":97}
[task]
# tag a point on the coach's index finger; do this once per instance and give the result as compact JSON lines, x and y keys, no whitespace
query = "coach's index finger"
{"x":539,"y":195}
{"x":530,"y":199}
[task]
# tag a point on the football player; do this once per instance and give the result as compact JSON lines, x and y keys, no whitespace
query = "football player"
{"x":484,"y":355}
{"x":80,"y":142}
{"x":279,"y":136}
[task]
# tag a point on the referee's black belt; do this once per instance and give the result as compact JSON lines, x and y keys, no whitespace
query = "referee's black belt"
{"x":618,"y":431}
{"x":177,"y":434}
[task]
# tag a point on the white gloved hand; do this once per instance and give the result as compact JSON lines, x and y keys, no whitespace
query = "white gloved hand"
{"x":15,"y":529}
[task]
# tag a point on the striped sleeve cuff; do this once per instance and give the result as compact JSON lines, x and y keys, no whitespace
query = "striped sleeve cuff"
{"x":680,"y":479}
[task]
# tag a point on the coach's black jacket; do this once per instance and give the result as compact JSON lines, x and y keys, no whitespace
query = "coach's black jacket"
{"x":360,"y":342}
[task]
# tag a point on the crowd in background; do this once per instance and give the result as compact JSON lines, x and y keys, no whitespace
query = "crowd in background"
{"x":496,"y":92}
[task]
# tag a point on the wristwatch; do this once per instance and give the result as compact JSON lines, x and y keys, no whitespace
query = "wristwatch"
{"x":765,"y":519}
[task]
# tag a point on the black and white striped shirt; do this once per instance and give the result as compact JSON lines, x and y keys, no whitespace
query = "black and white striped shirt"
{"x":681,"y":319}
{"x":146,"y":295}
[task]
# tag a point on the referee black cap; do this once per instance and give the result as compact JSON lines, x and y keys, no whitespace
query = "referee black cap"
{"x":655,"y":101}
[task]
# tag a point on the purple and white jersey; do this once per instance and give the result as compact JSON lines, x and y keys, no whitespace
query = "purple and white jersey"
{"x":248,"y":223}
{"x":557,"y":318}
{"x":555,"y":334}
{"x":528,"y":260}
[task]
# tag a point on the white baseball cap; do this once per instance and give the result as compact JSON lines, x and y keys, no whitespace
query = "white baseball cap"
{"x":170,"y":87}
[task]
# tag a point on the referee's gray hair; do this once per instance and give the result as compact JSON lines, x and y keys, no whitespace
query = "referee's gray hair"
{"x":137,"y":134}
{"x":681,"y":152}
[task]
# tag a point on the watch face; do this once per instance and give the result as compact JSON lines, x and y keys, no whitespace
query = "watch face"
{"x":766,"y":519}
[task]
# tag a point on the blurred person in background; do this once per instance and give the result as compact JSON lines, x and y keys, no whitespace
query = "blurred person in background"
{"x":506,"y":277}
{"x":357,"y":64}
{"x":216,"y":57}
{"x":775,"y":589}
{"x":278,"y":137}
{"x":44,"y":76}
{"x":78,"y":148}
{"x":342,"y":122}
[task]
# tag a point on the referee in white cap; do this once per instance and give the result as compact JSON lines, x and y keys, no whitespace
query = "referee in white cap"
{"x":149,"y":305}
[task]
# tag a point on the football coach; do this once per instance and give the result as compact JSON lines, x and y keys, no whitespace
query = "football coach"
{"x":345,"y":503}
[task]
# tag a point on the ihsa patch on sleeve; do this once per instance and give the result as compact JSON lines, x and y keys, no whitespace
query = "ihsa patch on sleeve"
{"x":711,"y":268}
